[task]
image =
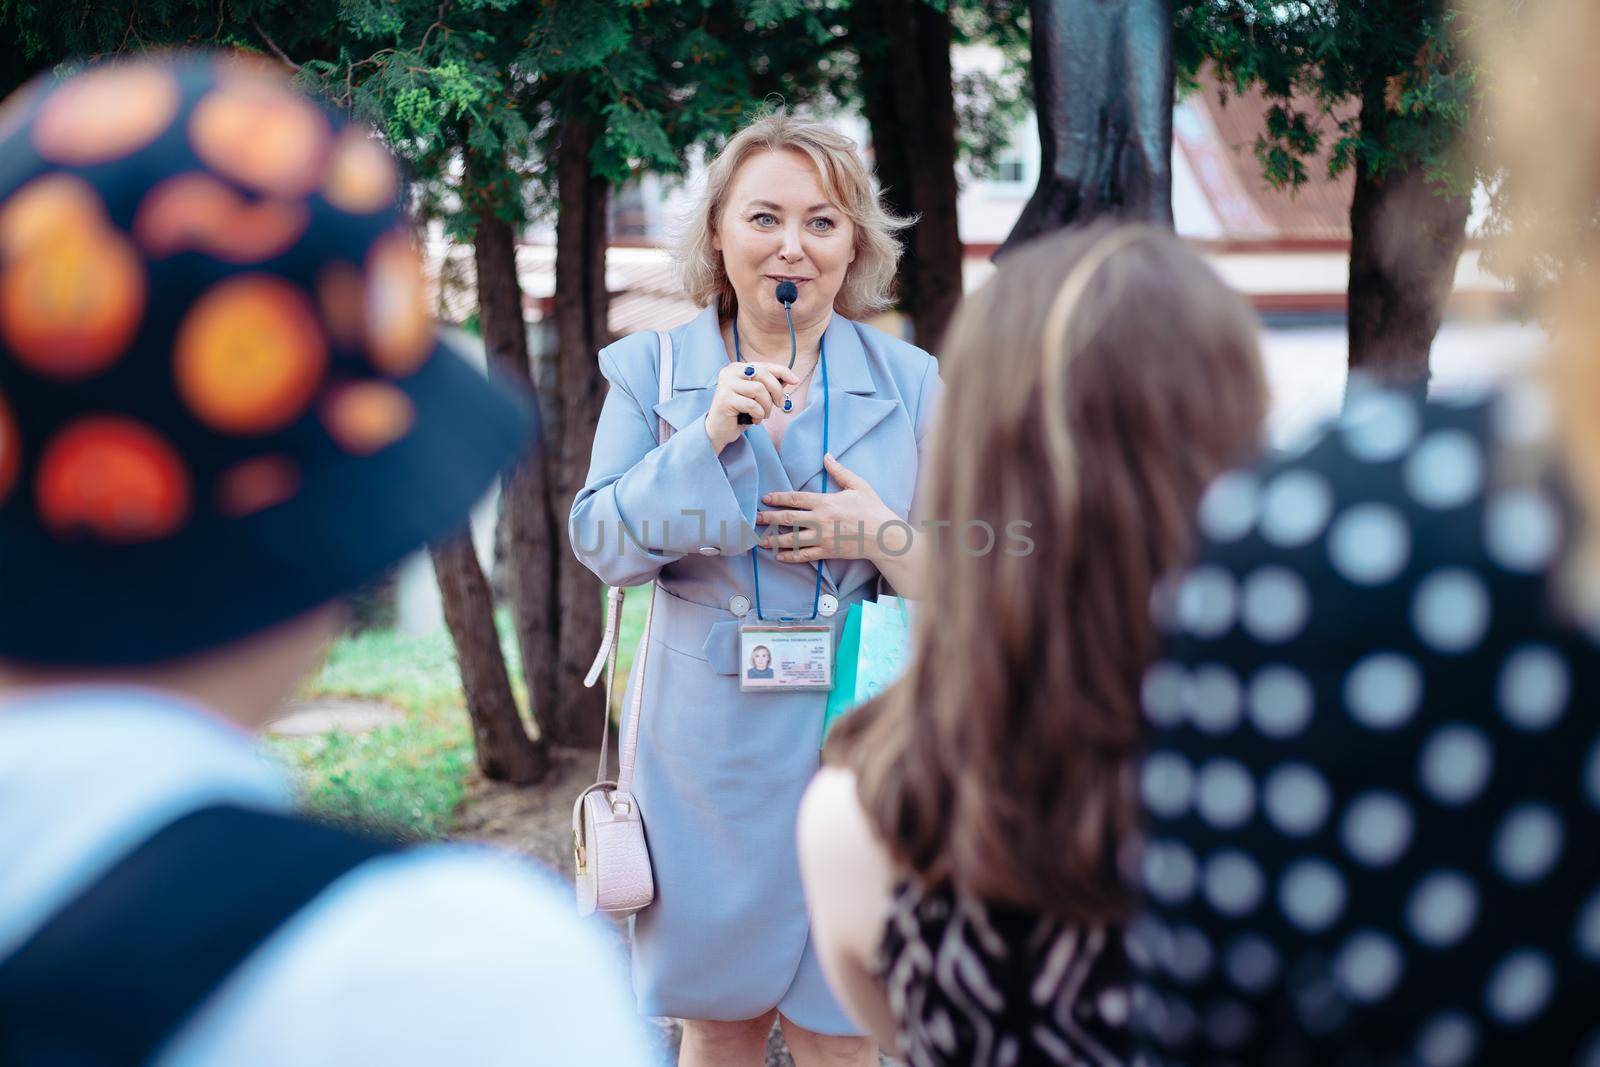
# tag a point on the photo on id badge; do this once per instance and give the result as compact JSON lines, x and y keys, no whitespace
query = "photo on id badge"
{"x":785,"y":658}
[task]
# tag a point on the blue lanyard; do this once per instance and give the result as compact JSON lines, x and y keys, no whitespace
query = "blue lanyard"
{"x":755,"y":566}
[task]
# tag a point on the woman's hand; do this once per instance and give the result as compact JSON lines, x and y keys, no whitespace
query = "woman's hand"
{"x":752,"y":394}
{"x":849,"y":524}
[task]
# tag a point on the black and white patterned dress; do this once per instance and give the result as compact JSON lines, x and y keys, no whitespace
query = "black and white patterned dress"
{"x":1373,"y":786}
{"x":977,"y":986}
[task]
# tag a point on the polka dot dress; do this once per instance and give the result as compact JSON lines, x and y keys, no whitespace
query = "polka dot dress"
{"x":1373,"y":782}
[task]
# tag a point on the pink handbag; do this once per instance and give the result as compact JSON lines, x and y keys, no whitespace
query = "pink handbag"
{"x":611,"y":859}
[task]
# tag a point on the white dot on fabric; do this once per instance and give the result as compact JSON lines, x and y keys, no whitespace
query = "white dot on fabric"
{"x":1226,"y":795}
{"x":1522,"y":414}
{"x":1520,"y":987}
{"x":1275,"y":604}
{"x":1232,"y":883}
{"x":1207,"y":601}
{"x":1376,"y":828}
{"x":1294,"y":508}
{"x":1312,"y":894}
{"x":1280,"y":701}
{"x":1296,"y":799}
{"x":1368,"y":966}
{"x":1533,"y":687}
{"x":1190,"y":955}
{"x":1450,"y":610}
{"x":1528,"y":843}
{"x":1161,"y":693}
{"x":1251,"y":963}
{"x":1369,"y":544}
{"x":1442,"y":908}
{"x":1382,"y":691}
{"x":1378,"y":426}
{"x":1521,"y":530}
{"x":1215,"y":700}
{"x":1445,"y":470}
{"x":1228,"y":508}
{"x":1587,"y":936}
{"x":1447,"y":1040}
{"x":1169,"y":871}
{"x":1455,"y":764}
{"x":1166,"y":784}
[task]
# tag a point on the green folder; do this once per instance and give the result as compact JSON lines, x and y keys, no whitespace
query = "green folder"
{"x":873,"y":647}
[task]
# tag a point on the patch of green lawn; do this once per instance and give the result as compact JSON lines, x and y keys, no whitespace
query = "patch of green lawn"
{"x":410,"y":776}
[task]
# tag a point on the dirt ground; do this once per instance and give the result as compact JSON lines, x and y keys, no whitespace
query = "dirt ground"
{"x":537,"y":820}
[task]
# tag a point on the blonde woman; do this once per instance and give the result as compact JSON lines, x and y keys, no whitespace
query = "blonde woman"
{"x":787,"y":520}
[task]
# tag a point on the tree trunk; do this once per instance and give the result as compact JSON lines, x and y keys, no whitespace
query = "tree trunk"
{"x":1102,"y":86}
{"x":910,"y":106}
{"x":505,"y":751}
{"x":531,"y":537}
{"x":1405,"y":238}
{"x":581,"y":307}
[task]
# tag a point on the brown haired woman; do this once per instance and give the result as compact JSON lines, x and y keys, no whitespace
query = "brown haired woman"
{"x":960,"y":852}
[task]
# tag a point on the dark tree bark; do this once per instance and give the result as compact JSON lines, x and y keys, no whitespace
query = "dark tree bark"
{"x":581,"y":307}
{"x":1103,"y":83}
{"x":1405,"y":238}
{"x":910,"y":106}
{"x":529,"y":526}
{"x":504,"y":750}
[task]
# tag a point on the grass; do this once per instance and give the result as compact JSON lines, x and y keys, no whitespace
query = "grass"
{"x":410,"y":776}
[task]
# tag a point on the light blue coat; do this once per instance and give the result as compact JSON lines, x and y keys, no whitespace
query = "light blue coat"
{"x":719,"y":774}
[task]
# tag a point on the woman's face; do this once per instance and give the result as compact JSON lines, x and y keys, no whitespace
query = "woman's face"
{"x":778,"y":225}
{"x":761,"y":659}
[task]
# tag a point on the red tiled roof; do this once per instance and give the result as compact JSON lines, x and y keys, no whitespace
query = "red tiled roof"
{"x":1227,"y":168}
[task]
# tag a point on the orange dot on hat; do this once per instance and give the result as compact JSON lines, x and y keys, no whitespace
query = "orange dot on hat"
{"x":361,"y":176}
{"x":10,"y":450}
{"x":263,"y":135}
{"x":201,"y":213}
{"x":70,"y":305}
{"x":113,"y":479}
{"x":46,"y":206}
{"x":106,"y":113}
{"x":249,"y":355}
{"x":363,"y":417}
{"x":256,"y":485}
{"x":399,"y":329}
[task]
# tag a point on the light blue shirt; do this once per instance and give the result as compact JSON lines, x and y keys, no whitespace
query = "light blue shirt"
{"x":441,"y":955}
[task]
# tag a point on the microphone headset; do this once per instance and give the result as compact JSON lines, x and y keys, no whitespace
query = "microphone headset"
{"x":787,"y":293}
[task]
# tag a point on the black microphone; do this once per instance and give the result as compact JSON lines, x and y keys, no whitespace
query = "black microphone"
{"x":787,"y":293}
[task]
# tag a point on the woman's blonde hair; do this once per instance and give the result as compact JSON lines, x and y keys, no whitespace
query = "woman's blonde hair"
{"x":1093,"y":387}
{"x":848,"y":185}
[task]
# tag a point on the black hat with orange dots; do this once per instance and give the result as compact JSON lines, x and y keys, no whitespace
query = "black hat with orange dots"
{"x":222,"y":400}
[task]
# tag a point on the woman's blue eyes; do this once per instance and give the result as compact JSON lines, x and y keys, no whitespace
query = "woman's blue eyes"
{"x":820,"y":225}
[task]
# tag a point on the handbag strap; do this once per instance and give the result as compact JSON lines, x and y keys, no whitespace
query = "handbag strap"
{"x":607,"y":655}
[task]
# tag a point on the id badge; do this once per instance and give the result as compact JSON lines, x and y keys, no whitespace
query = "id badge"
{"x":785,"y":658}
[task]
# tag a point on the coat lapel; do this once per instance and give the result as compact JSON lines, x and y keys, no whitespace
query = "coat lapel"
{"x":853,"y":409}
{"x":697,"y":356}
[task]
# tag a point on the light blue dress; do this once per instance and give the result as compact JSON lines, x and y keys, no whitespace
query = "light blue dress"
{"x":719,"y":774}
